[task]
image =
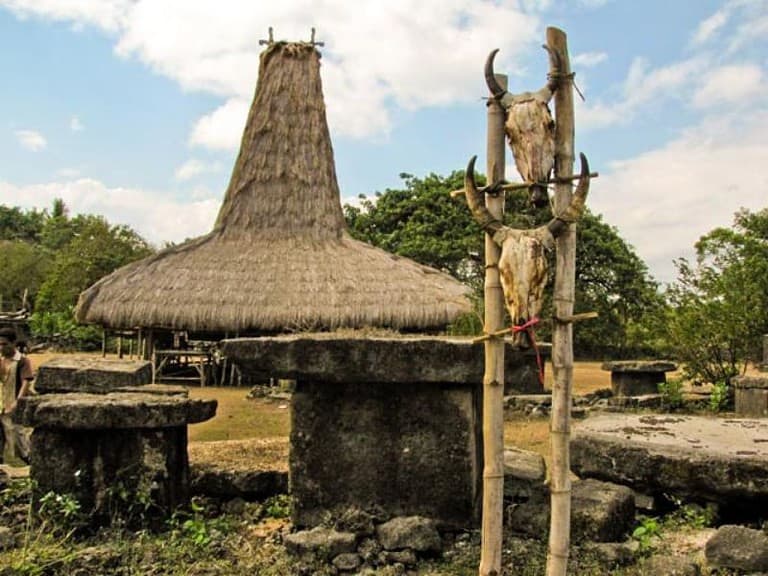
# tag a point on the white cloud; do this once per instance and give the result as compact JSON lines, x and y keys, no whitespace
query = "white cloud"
{"x":222,"y":129}
{"x":642,"y":85}
{"x":106,"y":14}
{"x":589,"y":59}
{"x":151,"y":213}
{"x":710,"y":26}
{"x":377,"y":54}
{"x":31,"y":140}
{"x":664,"y":200}
{"x":194,"y":167}
{"x":730,"y":85}
{"x":75,"y":124}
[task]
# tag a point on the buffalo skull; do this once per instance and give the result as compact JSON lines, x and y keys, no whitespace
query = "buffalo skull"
{"x":529,"y":127}
{"x":523,"y":262}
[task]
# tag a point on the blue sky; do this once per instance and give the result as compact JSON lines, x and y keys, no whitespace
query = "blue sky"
{"x":134,"y":108}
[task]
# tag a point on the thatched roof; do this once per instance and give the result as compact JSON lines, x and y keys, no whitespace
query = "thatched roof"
{"x":279,"y":256}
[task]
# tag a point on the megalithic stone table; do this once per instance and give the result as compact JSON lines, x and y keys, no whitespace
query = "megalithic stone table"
{"x":112,"y":451}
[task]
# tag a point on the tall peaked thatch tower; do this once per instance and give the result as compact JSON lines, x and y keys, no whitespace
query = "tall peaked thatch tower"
{"x":279,"y":257}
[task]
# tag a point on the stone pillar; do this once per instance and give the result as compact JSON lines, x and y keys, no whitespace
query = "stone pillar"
{"x":764,"y":365}
{"x":751,"y":396}
{"x":114,"y":453}
{"x":386,"y":425}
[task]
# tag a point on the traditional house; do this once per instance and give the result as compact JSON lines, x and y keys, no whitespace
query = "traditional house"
{"x":279,"y":257}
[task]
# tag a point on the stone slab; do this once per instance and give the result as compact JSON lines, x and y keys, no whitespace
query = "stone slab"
{"x":404,"y":451}
{"x":407,"y":360}
{"x":639,"y":366}
{"x":750,"y":396}
{"x":90,"y":374}
{"x":692,"y":457}
{"x":111,"y":411}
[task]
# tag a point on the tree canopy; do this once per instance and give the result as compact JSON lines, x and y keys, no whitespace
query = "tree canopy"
{"x":52,"y":257}
{"x":423,"y":222}
{"x":720,"y":301}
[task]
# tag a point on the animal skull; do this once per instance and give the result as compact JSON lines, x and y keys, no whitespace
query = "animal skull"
{"x":529,"y":127}
{"x":523,"y":262}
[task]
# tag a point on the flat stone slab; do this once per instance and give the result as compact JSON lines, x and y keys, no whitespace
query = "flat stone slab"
{"x":408,"y":360}
{"x":639,"y":366}
{"x":91,"y":374}
{"x":692,"y":457}
{"x":121,"y":410}
{"x":750,"y":382}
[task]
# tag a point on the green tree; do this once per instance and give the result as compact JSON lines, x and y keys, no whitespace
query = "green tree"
{"x":16,"y":224}
{"x":95,"y":249}
{"x":24,"y":267}
{"x":720,"y":302}
{"x":422,"y":221}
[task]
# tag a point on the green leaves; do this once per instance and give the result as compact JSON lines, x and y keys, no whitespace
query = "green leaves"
{"x":721,"y":300}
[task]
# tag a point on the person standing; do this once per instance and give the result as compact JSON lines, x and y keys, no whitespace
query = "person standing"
{"x":16,"y":376}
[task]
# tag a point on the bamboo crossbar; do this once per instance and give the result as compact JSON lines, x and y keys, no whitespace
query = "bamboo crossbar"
{"x":522,"y":185}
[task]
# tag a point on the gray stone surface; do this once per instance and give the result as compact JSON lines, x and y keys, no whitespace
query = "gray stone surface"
{"x":600,"y":512}
{"x":325,"y":358}
{"x":738,"y":547}
{"x":412,"y":532}
{"x":691,"y":457}
{"x":111,"y":472}
{"x":403,"y":450}
{"x":90,"y":374}
{"x":212,"y":480}
{"x":524,"y":475}
{"x":321,"y":542}
{"x":751,"y":396}
{"x":116,"y":410}
{"x":347,"y":562}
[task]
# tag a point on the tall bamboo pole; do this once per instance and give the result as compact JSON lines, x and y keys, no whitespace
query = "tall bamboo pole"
{"x":562,"y":336}
{"x":493,"y":379}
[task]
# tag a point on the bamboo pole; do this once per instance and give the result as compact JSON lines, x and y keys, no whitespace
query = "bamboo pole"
{"x":493,"y":379}
{"x":562,"y":335}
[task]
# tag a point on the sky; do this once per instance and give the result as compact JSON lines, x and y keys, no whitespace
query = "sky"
{"x":134,"y":109}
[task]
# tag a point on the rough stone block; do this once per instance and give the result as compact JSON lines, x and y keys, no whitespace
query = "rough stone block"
{"x":524,"y":475}
{"x":739,"y":548}
{"x":109,"y":473}
{"x":751,"y":396}
{"x":320,"y":541}
{"x":89,"y":374}
{"x":691,"y":457}
{"x":601,"y":512}
{"x":413,"y":532}
{"x":252,"y":485}
{"x":405,"y":451}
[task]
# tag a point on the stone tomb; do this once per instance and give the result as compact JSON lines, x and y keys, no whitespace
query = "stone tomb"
{"x":637,"y":377}
{"x":694,"y":458}
{"x":751,"y":396}
{"x":390,"y":425}
{"x":113,"y":452}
